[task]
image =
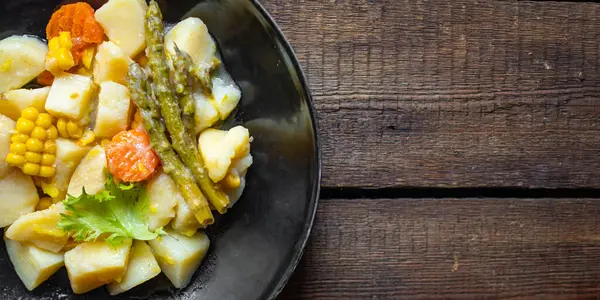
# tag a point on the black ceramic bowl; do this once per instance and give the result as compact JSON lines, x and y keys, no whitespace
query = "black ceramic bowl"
{"x":257,"y":244}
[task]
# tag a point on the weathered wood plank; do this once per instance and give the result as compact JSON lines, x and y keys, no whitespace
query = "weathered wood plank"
{"x":465,"y":93}
{"x":461,"y":249}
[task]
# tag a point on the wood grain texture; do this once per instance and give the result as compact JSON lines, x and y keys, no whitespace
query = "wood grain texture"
{"x":468,"y":93}
{"x":455,"y":248}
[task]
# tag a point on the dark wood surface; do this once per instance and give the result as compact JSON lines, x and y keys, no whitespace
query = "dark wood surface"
{"x":455,"y":248}
{"x":479,"y":95}
{"x":451,"y":93}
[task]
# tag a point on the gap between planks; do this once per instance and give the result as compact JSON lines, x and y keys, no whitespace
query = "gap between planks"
{"x":459,"y":193}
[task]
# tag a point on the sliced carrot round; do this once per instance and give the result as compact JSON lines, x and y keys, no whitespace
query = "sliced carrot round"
{"x":130,"y":158}
{"x":78,"y":19}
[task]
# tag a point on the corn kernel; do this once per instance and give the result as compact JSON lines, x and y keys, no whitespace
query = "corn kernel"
{"x":65,"y":59}
{"x":38,"y":133}
{"x":75,"y":130}
{"x":44,"y":203}
{"x":87,"y":57}
{"x":25,"y":126}
{"x":31,"y":169}
{"x":6,"y":65}
{"x":141,"y":167}
{"x":48,"y":159}
{"x":33,"y":157}
{"x":61,"y":125}
{"x":83,"y":71}
{"x":14,"y":159}
{"x":46,"y":171}
{"x":64,"y":40}
{"x":34,"y":145}
{"x":19,"y":137}
{"x":44,"y":120}
{"x":18,"y":148}
{"x":50,"y":147}
{"x":87,"y":138}
{"x":143,"y":60}
{"x":30,"y":113}
{"x":104,"y":143}
{"x":231,"y":181}
{"x":53,"y":44}
{"x":50,"y":189}
{"x":51,"y":133}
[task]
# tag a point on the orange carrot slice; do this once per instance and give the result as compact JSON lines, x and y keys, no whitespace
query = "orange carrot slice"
{"x":78,"y":19}
{"x":130,"y":157}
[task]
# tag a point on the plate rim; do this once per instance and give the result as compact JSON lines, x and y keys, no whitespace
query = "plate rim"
{"x":301,"y":243}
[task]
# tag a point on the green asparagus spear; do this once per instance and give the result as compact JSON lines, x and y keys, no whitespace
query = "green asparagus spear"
{"x":202,"y":73}
{"x":182,"y":63}
{"x":184,"y":179}
{"x":183,"y":142}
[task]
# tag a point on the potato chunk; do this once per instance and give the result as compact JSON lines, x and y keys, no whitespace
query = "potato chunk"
{"x":184,"y":221}
{"x":40,"y":229}
{"x":226,"y":95}
{"x":163,"y":194}
{"x":238,"y":168}
{"x":111,"y":64}
{"x":19,"y":196}
{"x":7,"y":126}
{"x":123,"y":22}
{"x":91,"y":265}
{"x":220,"y":147}
{"x":68,"y":156}
{"x":70,"y":96}
{"x":114,"y":105}
{"x":191,"y":36}
{"x":142,"y":267}
{"x":180,"y":256}
{"x":32,"y":264}
{"x":89,"y":173}
{"x":205,"y":114}
{"x":21,"y":60}
{"x":13,"y":102}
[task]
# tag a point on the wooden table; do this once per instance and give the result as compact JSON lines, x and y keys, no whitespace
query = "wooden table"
{"x":460,"y":143}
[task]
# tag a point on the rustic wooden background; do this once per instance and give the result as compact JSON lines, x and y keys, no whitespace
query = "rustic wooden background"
{"x":491,"y":108}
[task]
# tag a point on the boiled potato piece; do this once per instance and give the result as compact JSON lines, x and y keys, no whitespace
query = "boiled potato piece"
{"x":114,"y":105}
{"x":191,"y":36}
{"x":70,"y":96}
{"x":226,"y":96}
{"x":163,"y":194}
{"x":180,"y":256}
{"x":123,"y":22}
{"x":21,"y":60}
{"x":19,"y":196}
{"x":220,"y":147}
{"x":68,"y":156}
{"x":236,"y":193}
{"x":91,"y":265}
{"x":238,"y":168}
{"x":13,"y":102}
{"x":40,"y":229}
{"x":7,"y":126}
{"x":184,"y":221}
{"x":32,"y":264}
{"x":111,"y":64}
{"x":142,"y":267}
{"x":205,"y":115}
{"x":89,"y":173}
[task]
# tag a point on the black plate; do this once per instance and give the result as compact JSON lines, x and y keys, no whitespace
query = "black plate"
{"x":256,"y":246}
